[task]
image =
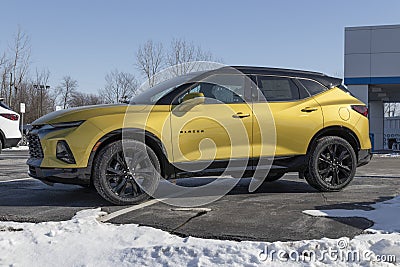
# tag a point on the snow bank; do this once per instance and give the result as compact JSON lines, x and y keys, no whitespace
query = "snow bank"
{"x":19,"y":148}
{"x":84,"y":241}
{"x":388,"y":155}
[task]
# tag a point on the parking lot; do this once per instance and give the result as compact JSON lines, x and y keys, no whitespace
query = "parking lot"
{"x":273,"y":212}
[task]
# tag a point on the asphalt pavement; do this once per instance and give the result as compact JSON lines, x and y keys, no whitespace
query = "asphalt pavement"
{"x":272,"y":213}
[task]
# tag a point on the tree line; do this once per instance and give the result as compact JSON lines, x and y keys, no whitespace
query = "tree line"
{"x":20,"y":84}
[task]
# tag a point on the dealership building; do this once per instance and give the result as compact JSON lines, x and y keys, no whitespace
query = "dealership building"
{"x":372,"y":73}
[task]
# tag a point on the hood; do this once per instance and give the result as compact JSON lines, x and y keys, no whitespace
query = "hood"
{"x":85,"y":112}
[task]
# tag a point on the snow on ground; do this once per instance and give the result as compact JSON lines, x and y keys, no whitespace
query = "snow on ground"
{"x":385,"y":215}
{"x":388,"y":155}
{"x":84,"y":241}
{"x":19,"y":148}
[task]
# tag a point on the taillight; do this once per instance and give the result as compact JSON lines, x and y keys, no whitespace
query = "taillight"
{"x":363,"y":110}
{"x":12,"y":117}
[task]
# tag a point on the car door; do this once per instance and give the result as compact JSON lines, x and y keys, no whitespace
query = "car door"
{"x":211,"y":123}
{"x":297,"y":117}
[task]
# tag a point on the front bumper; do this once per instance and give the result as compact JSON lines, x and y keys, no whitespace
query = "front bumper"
{"x":52,"y":174}
{"x":364,"y":156}
{"x":11,"y":142}
{"x":78,"y":176}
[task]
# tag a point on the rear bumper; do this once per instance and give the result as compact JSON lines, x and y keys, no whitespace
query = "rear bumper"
{"x":11,"y":142}
{"x":364,"y":156}
{"x":78,"y":176}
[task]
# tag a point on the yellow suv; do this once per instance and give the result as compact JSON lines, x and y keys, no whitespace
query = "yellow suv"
{"x":204,"y":123}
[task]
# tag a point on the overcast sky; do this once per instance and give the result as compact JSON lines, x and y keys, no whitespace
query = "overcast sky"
{"x":87,"y":39}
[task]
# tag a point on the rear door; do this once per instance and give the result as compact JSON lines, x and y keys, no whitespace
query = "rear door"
{"x":297,"y":116}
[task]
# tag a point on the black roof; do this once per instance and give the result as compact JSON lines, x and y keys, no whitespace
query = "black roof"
{"x":320,"y":77}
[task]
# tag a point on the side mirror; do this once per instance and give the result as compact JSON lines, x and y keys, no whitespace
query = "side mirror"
{"x":188,"y":102}
{"x":194,"y":98}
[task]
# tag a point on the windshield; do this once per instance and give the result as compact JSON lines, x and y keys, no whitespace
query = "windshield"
{"x":154,"y":94}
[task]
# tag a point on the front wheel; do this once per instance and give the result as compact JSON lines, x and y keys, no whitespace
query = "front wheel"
{"x":332,"y":164}
{"x":126,"y":172}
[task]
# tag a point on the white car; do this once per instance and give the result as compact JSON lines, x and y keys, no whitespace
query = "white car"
{"x":10,"y":134}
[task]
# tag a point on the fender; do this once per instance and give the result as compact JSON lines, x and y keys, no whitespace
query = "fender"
{"x":141,"y":135}
{"x":339,"y":131}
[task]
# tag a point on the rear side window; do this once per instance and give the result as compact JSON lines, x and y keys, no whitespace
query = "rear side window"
{"x":344,"y":88}
{"x":312,"y":87}
{"x":278,"y":88}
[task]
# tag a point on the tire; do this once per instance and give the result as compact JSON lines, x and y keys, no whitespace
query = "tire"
{"x":273,"y":176}
{"x":332,"y":164}
{"x":126,"y":182}
{"x":1,"y":145}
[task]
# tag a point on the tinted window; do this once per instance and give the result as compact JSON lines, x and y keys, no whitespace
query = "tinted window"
{"x":216,"y":93}
{"x":344,"y":88}
{"x":313,"y":87}
{"x":278,"y":89}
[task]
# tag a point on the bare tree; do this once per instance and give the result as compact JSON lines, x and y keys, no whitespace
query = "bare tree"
{"x":66,"y":89}
{"x":119,"y":86}
{"x":19,"y":62}
{"x":3,"y":60}
{"x":150,"y":59}
{"x":4,"y":72}
{"x":81,"y":99}
{"x":183,"y":57}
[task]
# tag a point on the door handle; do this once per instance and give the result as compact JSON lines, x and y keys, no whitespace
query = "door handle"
{"x":308,"y":109}
{"x":240,"y":115}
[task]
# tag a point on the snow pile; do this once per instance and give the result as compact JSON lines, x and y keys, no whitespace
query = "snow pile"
{"x":84,"y":241}
{"x":18,"y":148}
{"x":389,"y":155}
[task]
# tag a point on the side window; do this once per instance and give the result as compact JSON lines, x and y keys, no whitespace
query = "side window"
{"x":278,"y":88}
{"x":312,"y":87}
{"x":215,"y":93}
{"x":195,"y":89}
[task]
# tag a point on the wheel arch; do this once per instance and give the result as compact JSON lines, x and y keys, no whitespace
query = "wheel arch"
{"x":137,"y":134}
{"x":340,"y":131}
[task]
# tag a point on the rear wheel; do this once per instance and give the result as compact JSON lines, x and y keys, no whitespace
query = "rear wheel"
{"x":126,"y":172}
{"x":332,"y":164}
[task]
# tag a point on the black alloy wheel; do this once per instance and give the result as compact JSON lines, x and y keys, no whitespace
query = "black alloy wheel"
{"x":126,"y":172}
{"x":332,"y":164}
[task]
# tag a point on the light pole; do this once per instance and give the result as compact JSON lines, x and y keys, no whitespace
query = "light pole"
{"x":11,"y":84}
{"x":41,"y":87}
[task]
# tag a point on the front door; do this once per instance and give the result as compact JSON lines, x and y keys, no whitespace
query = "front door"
{"x":211,"y":123}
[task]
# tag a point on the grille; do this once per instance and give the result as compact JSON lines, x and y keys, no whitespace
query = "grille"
{"x":35,"y":148}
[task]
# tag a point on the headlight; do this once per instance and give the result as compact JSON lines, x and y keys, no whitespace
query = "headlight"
{"x":63,"y":152}
{"x":67,"y":124}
